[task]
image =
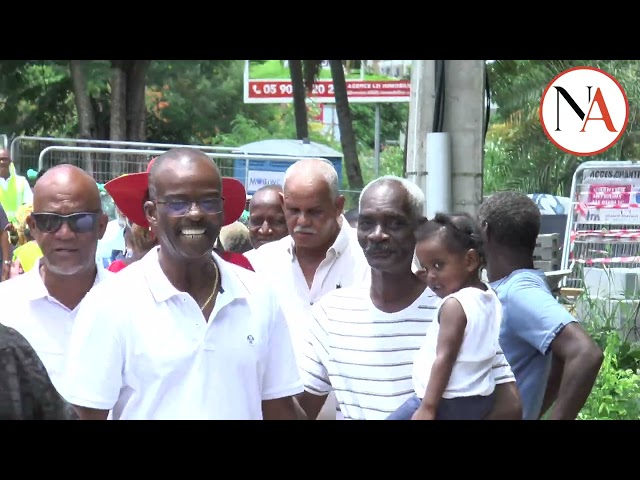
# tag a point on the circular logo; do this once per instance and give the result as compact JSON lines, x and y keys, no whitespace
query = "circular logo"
{"x":584,"y":111}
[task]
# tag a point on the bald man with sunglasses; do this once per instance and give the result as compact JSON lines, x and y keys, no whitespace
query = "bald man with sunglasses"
{"x":67,"y":222}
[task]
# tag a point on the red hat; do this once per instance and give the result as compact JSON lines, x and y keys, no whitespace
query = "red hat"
{"x":128,"y":192}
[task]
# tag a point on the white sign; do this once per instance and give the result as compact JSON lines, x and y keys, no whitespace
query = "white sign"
{"x":584,"y":111}
{"x":610,"y":196}
{"x":260,"y":178}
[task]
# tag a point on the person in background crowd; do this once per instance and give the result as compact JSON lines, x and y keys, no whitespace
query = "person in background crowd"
{"x":199,"y":338}
{"x":363,"y":338}
{"x":266,"y":218}
{"x":553,"y":358}
{"x":320,"y":254}
{"x":235,"y":238}
{"x":27,"y":250}
{"x":42,"y":304}
{"x":5,"y":248}
{"x":14,"y":189}
{"x":138,"y":242}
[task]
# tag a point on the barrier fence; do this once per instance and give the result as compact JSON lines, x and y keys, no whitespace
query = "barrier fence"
{"x":25,"y":150}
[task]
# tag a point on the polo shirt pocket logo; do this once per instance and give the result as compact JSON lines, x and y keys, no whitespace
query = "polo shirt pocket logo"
{"x":250,"y":339}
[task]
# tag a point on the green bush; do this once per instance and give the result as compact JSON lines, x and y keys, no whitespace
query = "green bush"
{"x":616,"y":393}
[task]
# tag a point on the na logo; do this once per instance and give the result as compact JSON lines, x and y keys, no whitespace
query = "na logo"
{"x":584,"y":111}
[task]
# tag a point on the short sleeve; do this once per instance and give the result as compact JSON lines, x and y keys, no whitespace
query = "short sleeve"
{"x":533,"y":314}
{"x":281,"y":377}
{"x":96,"y":353}
{"x":314,"y":372}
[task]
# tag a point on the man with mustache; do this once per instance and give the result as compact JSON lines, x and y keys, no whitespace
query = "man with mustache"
{"x":362,"y":338}
{"x":190,"y":336}
{"x":321,"y":252}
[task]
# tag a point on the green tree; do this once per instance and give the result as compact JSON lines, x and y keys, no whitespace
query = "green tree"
{"x":531,"y":163}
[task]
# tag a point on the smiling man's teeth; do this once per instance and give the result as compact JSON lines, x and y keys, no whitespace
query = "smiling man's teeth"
{"x":193,"y":232}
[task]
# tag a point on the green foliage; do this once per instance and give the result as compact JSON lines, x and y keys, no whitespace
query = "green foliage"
{"x":36,"y":98}
{"x":391,"y":163}
{"x":393,"y":118}
{"x":616,"y":394}
{"x":528,"y":161}
{"x":201,"y":100}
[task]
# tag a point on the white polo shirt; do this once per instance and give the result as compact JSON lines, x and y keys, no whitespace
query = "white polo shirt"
{"x":344,"y":265}
{"x":40,"y":318}
{"x":151,"y":355}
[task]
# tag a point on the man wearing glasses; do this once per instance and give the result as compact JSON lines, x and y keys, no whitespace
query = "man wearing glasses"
{"x":192,"y":336}
{"x":42,"y":304}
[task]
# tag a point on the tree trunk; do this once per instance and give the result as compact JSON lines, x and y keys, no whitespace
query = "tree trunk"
{"x":136,"y":104}
{"x":347,"y":137}
{"x":299,"y":99}
{"x":84,"y":108}
{"x":118,"y":119}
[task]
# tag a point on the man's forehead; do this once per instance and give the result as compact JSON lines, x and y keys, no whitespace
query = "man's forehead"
{"x":4,"y":154}
{"x":172,"y":174}
{"x":390,"y":194}
{"x":81,"y":199}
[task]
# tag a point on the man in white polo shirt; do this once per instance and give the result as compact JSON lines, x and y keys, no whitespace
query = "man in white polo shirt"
{"x":190,"y":336}
{"x":321,"y":253}
{"x":42,"y":304}
{"x":363,"y":338}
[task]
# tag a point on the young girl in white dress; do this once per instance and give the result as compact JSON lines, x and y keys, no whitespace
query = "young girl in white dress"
{"x":452,"y":371}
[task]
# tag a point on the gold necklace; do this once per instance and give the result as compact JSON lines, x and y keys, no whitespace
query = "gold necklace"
{"x":215,"y":288}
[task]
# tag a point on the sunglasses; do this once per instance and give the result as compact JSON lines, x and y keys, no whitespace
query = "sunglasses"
{"x":208,"y":206}
{"x":82,"y":222}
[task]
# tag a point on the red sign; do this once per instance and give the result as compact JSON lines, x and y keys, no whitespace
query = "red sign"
{"x":609,"y":194}
{"x":322,"y":91}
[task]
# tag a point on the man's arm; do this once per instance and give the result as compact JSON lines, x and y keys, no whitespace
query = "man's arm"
{"x":280,"y":409}
{"x":91,"y":413}
{"x":311,"y":403}
{"x":553,"y":384}
{"x":581,"y":359}
{"x":507,"y":404}
{"x":95,"y":356}
{"x":281,"y":380}
{"x":547,"y":326}
{"x":315,"y":376}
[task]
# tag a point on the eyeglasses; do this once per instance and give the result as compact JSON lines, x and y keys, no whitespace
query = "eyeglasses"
{"x":82,"y":222}
{"x":208,"y":206}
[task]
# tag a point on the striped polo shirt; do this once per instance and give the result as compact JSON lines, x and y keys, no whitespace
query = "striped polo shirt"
{"x":366,"y":355}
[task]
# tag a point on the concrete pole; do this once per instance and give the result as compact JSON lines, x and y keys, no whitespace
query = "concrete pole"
{"x":420,"y":121}
{"x":464,"y":119}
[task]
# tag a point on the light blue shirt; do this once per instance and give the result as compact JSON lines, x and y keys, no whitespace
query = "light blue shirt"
{"x":531,"y":320}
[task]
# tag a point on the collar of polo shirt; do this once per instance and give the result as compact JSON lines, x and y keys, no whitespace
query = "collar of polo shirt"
{"x":37,"y":290}
{"x":162,"y":289}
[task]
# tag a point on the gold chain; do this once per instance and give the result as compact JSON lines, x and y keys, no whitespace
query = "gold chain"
{"x":215,"y":288}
